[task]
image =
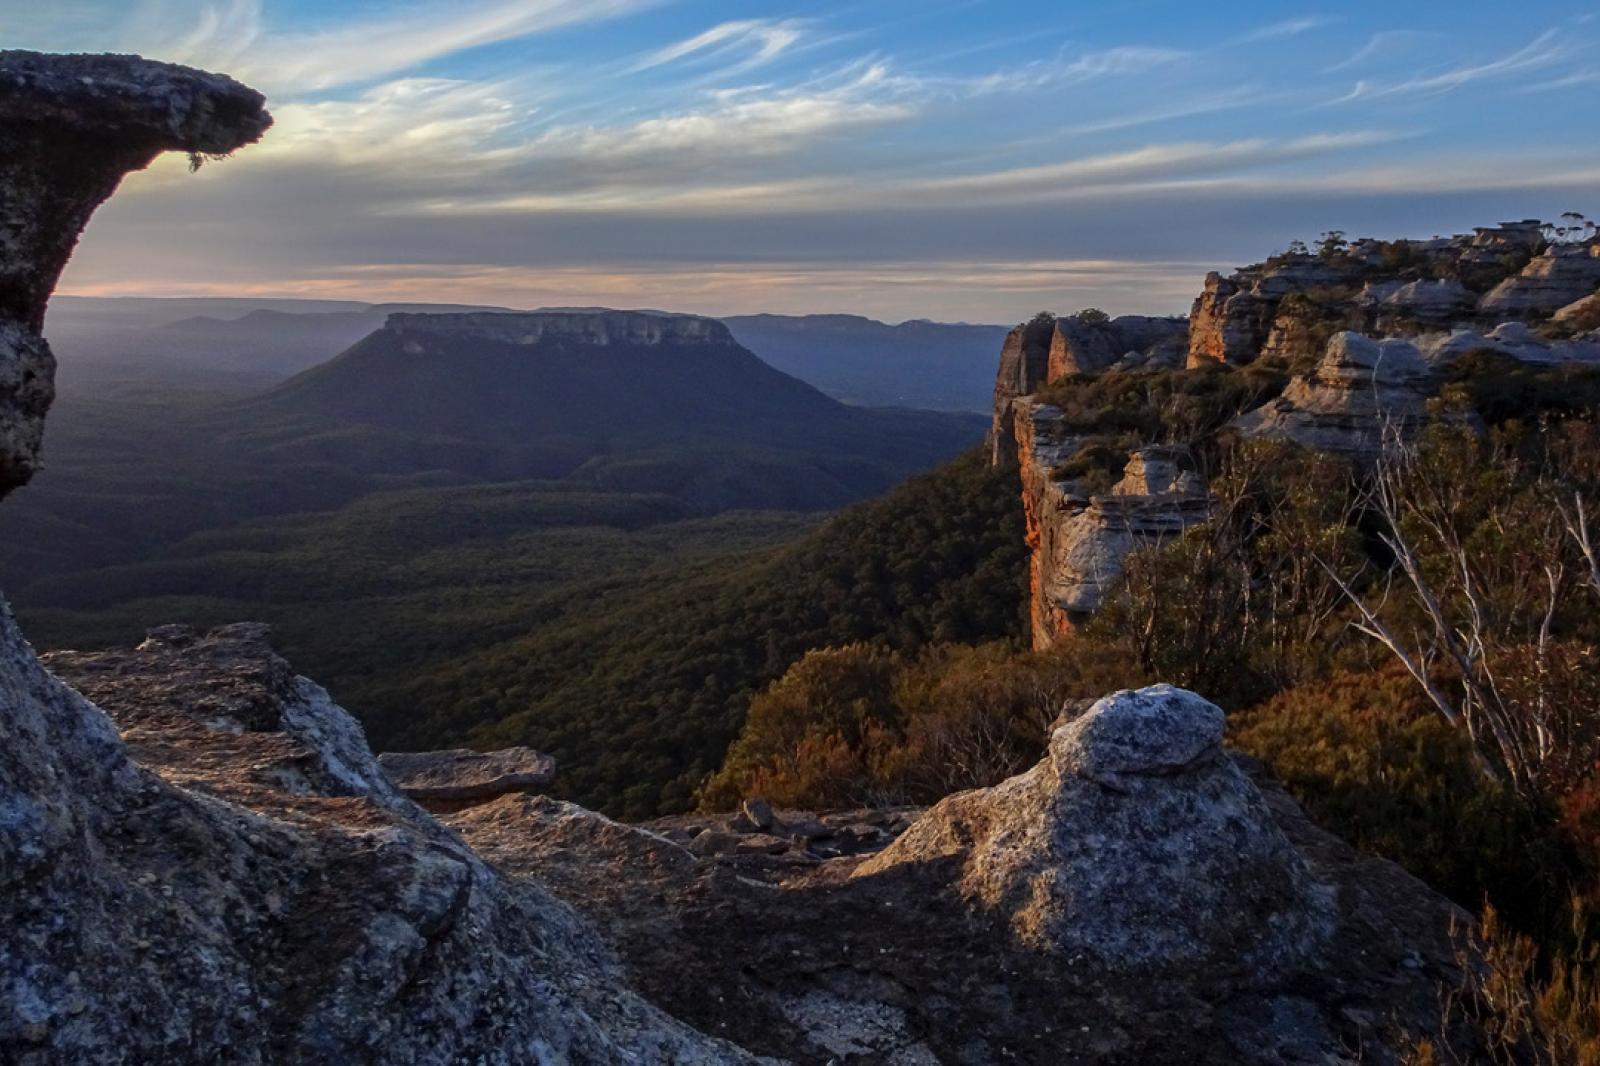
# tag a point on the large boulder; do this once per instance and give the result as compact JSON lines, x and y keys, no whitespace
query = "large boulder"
{"x":452,"y":780}
{"x":1136,"y":845}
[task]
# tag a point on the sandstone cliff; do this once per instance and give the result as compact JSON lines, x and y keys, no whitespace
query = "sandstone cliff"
{"x":1367,"y":334}
{"x":1289,"y":305}
{"x":1048,"y":349}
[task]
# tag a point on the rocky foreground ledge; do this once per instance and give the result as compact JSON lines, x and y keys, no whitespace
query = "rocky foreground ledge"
{"x":220,"y":868}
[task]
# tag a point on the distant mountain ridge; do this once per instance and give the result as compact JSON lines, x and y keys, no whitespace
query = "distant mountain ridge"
{"x":249,"y":344}
{"x":934,"y":365}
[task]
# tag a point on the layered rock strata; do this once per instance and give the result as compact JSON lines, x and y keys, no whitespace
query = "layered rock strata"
{"x":1287,"y":306}
{"x":1361,"y":394}
{"x":1048,"y":349}
{"x":1024,"y":368}
{"x":1564,"y":273}
{"x":1078,"y":543}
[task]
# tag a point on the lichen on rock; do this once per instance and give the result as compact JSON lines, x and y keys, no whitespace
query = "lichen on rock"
{"x":1137,"y":844}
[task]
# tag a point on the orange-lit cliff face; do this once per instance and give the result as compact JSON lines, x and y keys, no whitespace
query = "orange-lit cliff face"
{"x":1077,"y":540}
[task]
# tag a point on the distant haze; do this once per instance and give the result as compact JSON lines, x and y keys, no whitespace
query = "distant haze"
{"x":899,"y":159}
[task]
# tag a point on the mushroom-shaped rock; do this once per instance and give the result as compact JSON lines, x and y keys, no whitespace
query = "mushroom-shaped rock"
{"x":70,"y":128}
{"x":1137,"y":844}
{"x":444,"y":781}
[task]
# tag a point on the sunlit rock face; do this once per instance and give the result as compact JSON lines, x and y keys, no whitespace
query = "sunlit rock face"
{"x":1079,"y":543}
{"x":1024,"y":367}
{"x":1362,"y":390}
{"x":70,"y":128}
{"x":1563,"y":274}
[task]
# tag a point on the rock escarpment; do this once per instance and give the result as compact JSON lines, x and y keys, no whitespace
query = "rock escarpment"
{"x":1366,"y":335}
{"x":1080,"y":542}
{"x":1289,"y":305}
{"x":70,"y":128}
{"x":220,"y":871}
{"x":1048,"y":349}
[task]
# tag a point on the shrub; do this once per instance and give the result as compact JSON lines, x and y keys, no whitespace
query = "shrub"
{"x":861,"y":726}
{"x":1368,"y":759}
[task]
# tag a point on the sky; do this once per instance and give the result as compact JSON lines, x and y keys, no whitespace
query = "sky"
{"x":973,"y":160}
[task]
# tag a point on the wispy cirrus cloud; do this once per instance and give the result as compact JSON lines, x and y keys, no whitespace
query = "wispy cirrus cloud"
{"x":1540,"y":54}
{"x":1287,"y":28}
{"x":481,"y":145}
{"x":1121,"y":61}
{"x":756,"y":41}
{"x":1159,"y":163}
{"x":1383,"y":43}
{"x":234,"y":35}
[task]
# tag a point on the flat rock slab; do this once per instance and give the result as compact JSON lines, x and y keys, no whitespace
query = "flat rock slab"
{"x":460,"y":777}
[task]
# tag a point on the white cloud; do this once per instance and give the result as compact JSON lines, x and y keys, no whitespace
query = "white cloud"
{"x":1159,"y":164}
{"x":1382,"y":43}
{"x":1279,"y":30}
{"x":763,"y":39}
{"x":1124,"y":61}
{"x":364,"y":51}
{"x":1539,"y":54}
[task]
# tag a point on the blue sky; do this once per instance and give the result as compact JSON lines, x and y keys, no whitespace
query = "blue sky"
{"x":969,"y":159}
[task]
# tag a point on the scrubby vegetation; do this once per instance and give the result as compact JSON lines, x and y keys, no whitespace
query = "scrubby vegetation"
{"x":1118,"y":410}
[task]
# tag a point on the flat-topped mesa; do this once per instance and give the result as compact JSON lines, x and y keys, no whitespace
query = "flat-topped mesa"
{"x":578,"y":327}
{"x":70,"y":128}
